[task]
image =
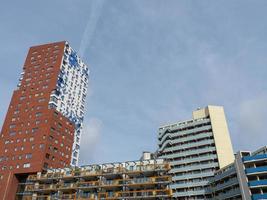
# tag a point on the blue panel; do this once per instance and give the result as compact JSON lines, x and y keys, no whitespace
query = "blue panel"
{"x":257,"y":183}
{"x":73,"y":59}
{"x":259,"y":196}
{"x":256,"y":157}
{"x":255,"y":170}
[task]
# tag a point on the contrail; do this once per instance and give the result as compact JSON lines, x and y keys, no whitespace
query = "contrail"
{"x":95,"y":12}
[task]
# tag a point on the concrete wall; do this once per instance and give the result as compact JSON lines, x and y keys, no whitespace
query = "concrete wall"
{"x":220,"y":132}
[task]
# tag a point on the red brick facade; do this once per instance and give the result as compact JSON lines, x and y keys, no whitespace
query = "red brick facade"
{"x":33,"y":136}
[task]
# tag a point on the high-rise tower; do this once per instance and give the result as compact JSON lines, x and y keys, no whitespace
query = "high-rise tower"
{"x":42,"y":127}
{"x":196,"y":149}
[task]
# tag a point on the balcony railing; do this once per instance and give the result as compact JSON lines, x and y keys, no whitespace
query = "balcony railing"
{"x":259,"y":196}
{"x":256,"y":157}
{"x":258,"y":183}
{"x":256,"y":170}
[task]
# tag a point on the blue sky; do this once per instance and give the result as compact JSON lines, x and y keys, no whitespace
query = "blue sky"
{"x":151,"y":63}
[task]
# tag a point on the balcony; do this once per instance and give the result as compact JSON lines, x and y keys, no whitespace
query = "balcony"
{"x":188,"y":184}
{"x":259,"y":196}
{"x":185,"y":147}
{"x":192,"y":176}
{"x":256,"y":170}
{"x":193,"y":167}
{"x":188,"y":153}
{"x":229,"y":194}
{"x":185,"y":132}
{"x":180,"y":195}
{"x":257,"y":183}
{"x":197,"y":159}
{"x":184,"y":139}
{"x":227,"y":184}
{"x":230,"y":172}
{"x":255,"y":158}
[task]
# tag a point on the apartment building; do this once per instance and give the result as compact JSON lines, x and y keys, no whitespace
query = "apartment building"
{"x":43,"y":123}
{"x":142,"y":179}
{"x":196,"y":149}
{"x":246,"y":178}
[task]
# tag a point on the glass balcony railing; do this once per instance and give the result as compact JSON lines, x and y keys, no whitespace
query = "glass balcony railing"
{"x":256,"y":170}
{"x":257,"y":183}
{"x":256,"y":157}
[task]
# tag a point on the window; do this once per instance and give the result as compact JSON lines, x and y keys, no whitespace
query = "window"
{"x":38,"y":114}
{"x":28,"y":156}
{"x":59,"y":125}
{"x":12,"y":126}
{"x":45,"y":165}
{"x":12,"y":133}
{"x":36,"y":66}
{"x":41,"y":100}
{"x":2,"y":159}
{"x":34,"y":130}
{"x":22,"y":98}
{"x":55,"y":149}
{"x":47,"y":156}
{"x":26,"y":165}
{"x":39,"y":107}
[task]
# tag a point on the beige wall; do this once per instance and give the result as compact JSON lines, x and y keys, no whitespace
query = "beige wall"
{"x":220,"y":132}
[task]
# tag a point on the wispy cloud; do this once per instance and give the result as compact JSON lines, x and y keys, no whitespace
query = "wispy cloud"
{"x":95,"y":13}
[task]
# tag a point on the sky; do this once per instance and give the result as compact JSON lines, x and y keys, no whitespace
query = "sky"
{"x":151,"y":63}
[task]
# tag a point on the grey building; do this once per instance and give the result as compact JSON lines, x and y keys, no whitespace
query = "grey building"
{"x":246,"y":178}
{"x":196,"y":149}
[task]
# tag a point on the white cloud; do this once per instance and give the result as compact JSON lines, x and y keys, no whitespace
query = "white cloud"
{"x":90,"y":139}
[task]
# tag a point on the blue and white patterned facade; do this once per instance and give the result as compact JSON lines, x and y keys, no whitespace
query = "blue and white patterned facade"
{"x":69,"y":96}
